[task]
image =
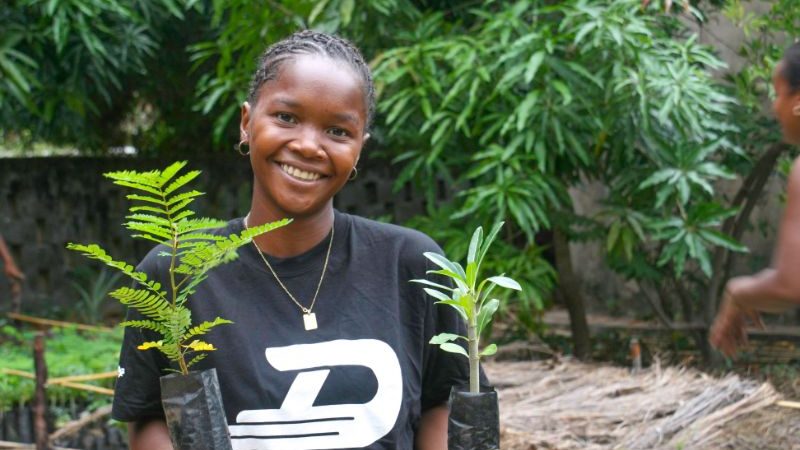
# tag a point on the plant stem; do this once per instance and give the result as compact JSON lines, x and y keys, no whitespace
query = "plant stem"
{"x":184,"y":367}
{"x":474,"y":362}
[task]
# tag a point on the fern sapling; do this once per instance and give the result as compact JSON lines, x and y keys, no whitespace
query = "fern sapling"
{"x":161,"y":214}
{"x":471,"y":297}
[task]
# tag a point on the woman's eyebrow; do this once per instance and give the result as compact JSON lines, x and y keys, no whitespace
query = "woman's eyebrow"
{"x":346,"y":117}
{"x":286,"y":101}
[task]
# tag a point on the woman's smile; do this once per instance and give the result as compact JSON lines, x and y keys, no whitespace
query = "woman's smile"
{"x":300,"y":174}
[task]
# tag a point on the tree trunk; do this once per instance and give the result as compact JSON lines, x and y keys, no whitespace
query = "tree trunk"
{"x":568,"y":285}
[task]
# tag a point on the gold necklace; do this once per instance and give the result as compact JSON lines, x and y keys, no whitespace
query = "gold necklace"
{"x":309,"y":318}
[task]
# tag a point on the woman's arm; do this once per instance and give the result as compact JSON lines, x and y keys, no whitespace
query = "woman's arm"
{"x":10,"y":267}
{"x":432,"y":432}
{"x":772,"y":290}
{"x":149,"y":434}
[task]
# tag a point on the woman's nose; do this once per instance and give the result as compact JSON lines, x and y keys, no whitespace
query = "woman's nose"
{"x":307,"y":142}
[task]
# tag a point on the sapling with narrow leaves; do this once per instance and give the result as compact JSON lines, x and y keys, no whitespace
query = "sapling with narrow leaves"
{"x":161,"y":215}
{"x":471,"y":297}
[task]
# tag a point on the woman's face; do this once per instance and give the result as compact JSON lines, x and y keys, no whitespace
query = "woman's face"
{"x":785,"y":104}
{"x":305,"y":134}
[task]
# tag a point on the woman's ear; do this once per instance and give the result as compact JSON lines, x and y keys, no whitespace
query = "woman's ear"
{"x":245,"y":123}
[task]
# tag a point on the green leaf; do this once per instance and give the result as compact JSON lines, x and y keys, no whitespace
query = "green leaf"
{"x":432,"y":284}
{"x":458,"y":307}
{"x":454,"y":348}
{"x":474,"y":244}
{"x":533,"y":65}
{"x":318,"y":8}
{"x":485,"y":314}
{"x":505,"y":282}
{"x":436,"y":294}
{"x":346,"y":8}
{"x":445,"y":337}
{"x":447,"y":265}
{"x":490,"y":350}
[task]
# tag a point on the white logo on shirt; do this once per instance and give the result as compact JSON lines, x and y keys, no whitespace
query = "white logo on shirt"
{"x":298,"y":425}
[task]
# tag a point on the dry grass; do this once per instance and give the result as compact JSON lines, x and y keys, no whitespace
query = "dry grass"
{"x":568,"y":405}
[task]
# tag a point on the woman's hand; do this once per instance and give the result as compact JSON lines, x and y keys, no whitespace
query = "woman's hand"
{"x":728,"y":331}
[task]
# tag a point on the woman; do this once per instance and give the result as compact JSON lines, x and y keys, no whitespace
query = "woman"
{"x":329,"y":346}
{"x":777,"y":288}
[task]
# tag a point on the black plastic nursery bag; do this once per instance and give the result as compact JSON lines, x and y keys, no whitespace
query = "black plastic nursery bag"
{"x":193,"y":408}
{"x":474,"y":422}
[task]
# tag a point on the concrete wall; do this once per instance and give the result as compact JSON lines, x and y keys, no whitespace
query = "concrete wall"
{"x":47,"y":202}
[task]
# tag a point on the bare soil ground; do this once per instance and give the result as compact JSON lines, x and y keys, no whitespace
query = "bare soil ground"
{"x":558,"y":404}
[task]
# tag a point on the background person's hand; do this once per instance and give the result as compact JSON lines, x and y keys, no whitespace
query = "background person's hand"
{"x":15,"y":278}
{"x":728,"y":332}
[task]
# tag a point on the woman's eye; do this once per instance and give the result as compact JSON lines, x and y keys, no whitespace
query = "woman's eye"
{"x":338,"y":132}
{"x":284,"y":117}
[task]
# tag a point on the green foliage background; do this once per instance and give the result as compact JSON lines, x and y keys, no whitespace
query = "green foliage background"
{"x":68,"y":352}
{"x":515,"y":102}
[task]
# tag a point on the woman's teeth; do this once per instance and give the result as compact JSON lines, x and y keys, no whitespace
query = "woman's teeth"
{"x":301,"y":174}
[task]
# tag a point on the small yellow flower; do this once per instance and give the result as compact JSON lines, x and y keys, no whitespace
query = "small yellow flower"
{"x":151,"y":344}
{"x":200,"y":346}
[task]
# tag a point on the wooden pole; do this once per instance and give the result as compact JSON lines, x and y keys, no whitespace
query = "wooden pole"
{"x":55,"y":323}
{"x":40,"y":397}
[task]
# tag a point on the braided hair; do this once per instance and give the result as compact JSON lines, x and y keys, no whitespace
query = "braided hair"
{"x":791,"y":66}
{"x":308,"y":42}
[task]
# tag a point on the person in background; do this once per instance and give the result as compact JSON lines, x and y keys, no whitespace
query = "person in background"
{"x":777,"y":288}
{"x":14,"y":275}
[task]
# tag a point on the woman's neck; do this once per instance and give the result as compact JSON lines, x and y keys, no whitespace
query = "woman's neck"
{"x":294,"y":239}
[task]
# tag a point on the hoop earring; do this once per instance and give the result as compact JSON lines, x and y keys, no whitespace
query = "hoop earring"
{"x":796,"y":109}
{"x":353,"y":174}
{"x":239,"y":148}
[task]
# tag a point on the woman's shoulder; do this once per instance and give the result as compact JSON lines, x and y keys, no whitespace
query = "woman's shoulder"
{"x":381,"y":234}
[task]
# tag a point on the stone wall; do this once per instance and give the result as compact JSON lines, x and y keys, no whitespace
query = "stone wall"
{"x":47,"y":202}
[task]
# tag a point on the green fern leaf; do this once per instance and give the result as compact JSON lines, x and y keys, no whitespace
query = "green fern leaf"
{"x":172,"y":351}
{"x":196,"y":359}
{"x":177,"y":321}
{"x":94,"y":251}
{"x":152,"y":238}
{"x":251,"y":232}
{"x":182,"y":215}
{"x":145,"y":198}
{"x":170,"y":172}
{"x":149,"y":178}
{"x":150,"y":219}
{"x":147,"y":324}
{"x":180,"y":205}
{"x":148,"y":304}
{"x":149,"y":228}
{"x":205,"y":327}
{"x":200,"y":223}
{"x":151,"y":209}
{"x":183,"y":196}
{"x":140,"y":187}
{"x":181,"y":181}
{"x":186,"y":291}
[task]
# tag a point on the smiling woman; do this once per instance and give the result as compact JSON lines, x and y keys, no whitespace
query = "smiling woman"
{"x":329,"y":347}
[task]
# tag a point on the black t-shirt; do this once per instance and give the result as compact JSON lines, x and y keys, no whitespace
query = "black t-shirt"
{"x":361,"y":380}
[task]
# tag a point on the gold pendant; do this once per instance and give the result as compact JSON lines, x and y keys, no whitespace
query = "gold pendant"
{"x":310,"y":321}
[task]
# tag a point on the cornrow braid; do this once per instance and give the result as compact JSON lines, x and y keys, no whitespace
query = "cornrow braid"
{"x":308,"y":42}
